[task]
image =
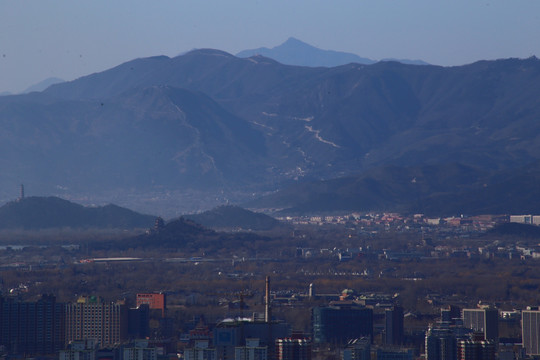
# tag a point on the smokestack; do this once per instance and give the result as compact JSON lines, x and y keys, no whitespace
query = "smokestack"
{"x":267,"y":315}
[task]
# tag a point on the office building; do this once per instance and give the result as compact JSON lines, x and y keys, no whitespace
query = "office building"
{"x":393,"y":328}
{"x":357,"y":349}
{"x":139,"y":322}
{"x":79,"y":350}
{"x":140,"y":350}
{"x":340,"y":324}
{"x":530,"y":331}
{"x":155,"y":301}
{"x":92,"y":318}
{"x":476,"y":348}
{"x":485,"y":320}
{"x":251,"y":351}
{"x":230,"y":334}
{"x":449,"y":314}
{"x":293,"y":348}
{"x":31,"y":327}
{"x":441,"y":344}
{"x":394,"y":354}
{"x":200,"y":351}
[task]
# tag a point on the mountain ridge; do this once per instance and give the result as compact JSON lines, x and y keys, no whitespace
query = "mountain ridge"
{"x":234,"y":128}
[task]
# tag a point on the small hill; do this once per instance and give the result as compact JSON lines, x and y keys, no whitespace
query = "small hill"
{"x":228,"y":216}
{"x":33,"y":213}
{"x":189,"y":237}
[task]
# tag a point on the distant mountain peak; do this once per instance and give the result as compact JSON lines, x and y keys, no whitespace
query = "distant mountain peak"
{"x":212,"y":52}
{"x":296,"y":52}
{"x":294,"y":41}
{"x":42,"y":85}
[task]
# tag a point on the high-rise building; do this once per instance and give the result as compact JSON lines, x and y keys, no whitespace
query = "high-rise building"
{"x":530,"y":330}
{"x":79,"y":350}
{"x":394,"y":354}
{"x":92,"y":318}
{"x":441,"y":344}
{"x":357,"y":349}
{"x":450,"y":313}
{"x":251,"y":351}
{"x":393,"y":329}
{"x":485,"y":320}
{"x":476,"y":348}
{"x":140,"y":350}
{"x":200,"y":351}
{"x":138,"y":322}
{"x":340,"y":324}
{"x":293,"y":348}
{"x":31,"y":327}
{"x":156,"y":301}
{"x":227,"y":335}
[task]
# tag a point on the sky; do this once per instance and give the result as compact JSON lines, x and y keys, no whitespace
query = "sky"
{"x":68,"y":39}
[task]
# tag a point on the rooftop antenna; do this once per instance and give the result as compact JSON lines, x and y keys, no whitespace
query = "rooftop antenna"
{"x":21,"y":197}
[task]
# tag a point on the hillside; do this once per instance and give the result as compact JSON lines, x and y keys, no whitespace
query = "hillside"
{"x":234,"y":217}
{"x":435,"y":190}
{"x":32,"y":213}
{"x":388,"y":188}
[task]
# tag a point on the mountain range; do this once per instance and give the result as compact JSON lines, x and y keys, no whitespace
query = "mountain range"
{"x":156,"y":132}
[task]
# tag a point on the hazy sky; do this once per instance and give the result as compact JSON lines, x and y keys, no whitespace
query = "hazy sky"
{"x":71,"y":38}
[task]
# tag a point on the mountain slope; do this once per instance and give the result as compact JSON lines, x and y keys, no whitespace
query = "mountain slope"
{"x":145,"y":136}
{"x":441,"y":190}
{"x":388,"y":188}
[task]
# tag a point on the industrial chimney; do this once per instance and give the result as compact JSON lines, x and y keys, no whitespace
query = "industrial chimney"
{"x":267,"y":314}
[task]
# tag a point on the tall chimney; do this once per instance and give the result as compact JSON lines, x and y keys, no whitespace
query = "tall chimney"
{"x":267,"y":315}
